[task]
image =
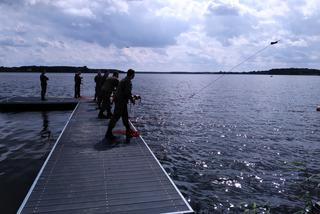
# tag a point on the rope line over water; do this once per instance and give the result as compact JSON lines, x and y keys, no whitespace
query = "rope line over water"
{"x":219,"y":77}
{"x":231,"y":69}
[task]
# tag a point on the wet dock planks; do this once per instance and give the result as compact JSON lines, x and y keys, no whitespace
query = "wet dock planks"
{"x":36,"y":104}
{"x":84,"y":174}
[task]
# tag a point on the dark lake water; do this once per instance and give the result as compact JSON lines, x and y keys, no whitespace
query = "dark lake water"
{"x":246,"y":143}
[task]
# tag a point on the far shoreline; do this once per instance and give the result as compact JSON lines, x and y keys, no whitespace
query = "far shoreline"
{"x":84,"y":69}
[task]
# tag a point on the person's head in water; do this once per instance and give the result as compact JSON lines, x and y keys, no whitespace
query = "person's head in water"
{"x":99,"y":72}
{"x":43,"y":71}
{"x":115,"y":75}
{"x":130,"y":73}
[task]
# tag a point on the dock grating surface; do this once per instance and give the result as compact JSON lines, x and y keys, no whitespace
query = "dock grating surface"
{"x":85,"y":174}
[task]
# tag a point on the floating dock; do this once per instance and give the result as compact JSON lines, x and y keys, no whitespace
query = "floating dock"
{"x":36,"y":104}
{"x":85,"y":174}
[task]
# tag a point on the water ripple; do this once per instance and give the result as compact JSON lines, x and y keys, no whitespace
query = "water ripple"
{"x":247,"y":143}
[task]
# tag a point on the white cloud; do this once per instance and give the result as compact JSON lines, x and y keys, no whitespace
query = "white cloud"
{"x":298,"y":43}
{"x":85,"y":12}
{"x":186,"y":10}
{"x":310,"y":8}
{"x":15,"y":41}
{"x":160,"y":34}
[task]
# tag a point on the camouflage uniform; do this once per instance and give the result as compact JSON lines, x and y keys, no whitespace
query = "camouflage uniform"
{"x":107,"y":88}
{"x":122,"y":96}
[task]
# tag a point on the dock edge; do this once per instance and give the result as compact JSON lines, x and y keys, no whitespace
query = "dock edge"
{"x":45,"y":163}
{"x":171,"y":181}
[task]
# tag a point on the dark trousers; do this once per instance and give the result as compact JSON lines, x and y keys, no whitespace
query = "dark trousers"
{"x":97,"y":93}
{"x":100,"y":98}
{"x":120,"y":110}
{"x":106,"y":104}
{"x":43,"y":91}
{"x":76,"y":91}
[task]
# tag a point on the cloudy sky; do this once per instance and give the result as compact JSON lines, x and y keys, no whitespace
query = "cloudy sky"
{"x":160,"y":35}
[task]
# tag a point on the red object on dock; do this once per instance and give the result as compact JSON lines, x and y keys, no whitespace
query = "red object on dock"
{"x":123,"y":132}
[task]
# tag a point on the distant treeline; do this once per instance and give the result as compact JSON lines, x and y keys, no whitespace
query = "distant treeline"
{"x":277,"y":71}
{"x":84,"y":69}
{"x":55,"y":69}
{"x":287,"y":71}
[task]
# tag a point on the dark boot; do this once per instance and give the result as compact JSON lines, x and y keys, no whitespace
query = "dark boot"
{"x":109,"y":134}
{"x":101,"y":115}
{"x":109,"y":115}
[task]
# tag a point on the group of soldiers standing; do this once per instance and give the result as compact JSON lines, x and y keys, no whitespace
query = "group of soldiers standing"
{"x":108,"y":90}
{"x":105,"y":87}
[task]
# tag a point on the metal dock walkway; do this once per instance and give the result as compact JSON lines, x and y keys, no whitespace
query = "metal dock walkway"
{"x":83,"y":174}
{"x":36,"y":104}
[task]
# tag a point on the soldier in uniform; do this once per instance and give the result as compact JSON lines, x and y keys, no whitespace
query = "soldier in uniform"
{"x":77,"y":83}
{"x":107,"y":88}
{"x":98,"y":81}
{"x":43,"y":80}
{"x":121,"y":98}
{"x":103,"y":79}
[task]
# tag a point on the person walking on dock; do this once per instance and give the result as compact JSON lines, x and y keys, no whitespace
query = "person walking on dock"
{"x":98,"y":81}
{"x":43,"y":80}
{"x":121,"y":98}
{"x":108,"y":87}
{"x":77,"y":83}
